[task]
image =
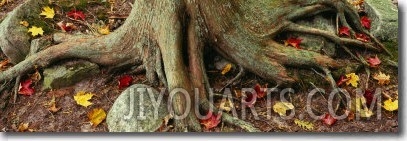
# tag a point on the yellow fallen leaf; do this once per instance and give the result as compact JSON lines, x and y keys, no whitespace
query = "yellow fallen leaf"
{"x":226,"y":69}
{"x":24,"y":23}
{"x":226,"y":105}
{"x":23,"y":127}
{"x":104,"y":30}
{"x":304,"y":124}
{"x":353,"y":79}
{"x":48,"y":12}
{"x":82,"y":98}
{"x":282,"y":107}
{"x":96,"y":116}
{"x":366,"y":113}
{"x":382,"y":78}
{"x":36,"y":31}
{"x":390,"y":105}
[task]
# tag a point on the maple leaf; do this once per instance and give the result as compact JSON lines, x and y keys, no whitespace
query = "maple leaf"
{"x":261,"y":92}
{"x":345,"y":31}
{"x":82,"y":98}
{"x":382,"y":78}
{"x":328,"y":119}
{"x":66,"y":27}
{"x":125,"y":81}
{"x":365,"y":21}
{"x":212,"y":121}
{"x":374,"y":61}
{"x":391,"y":105}
{"x":48,"y":12}
{"x":226,"y":105}
{"x":353,"y":79}
{"x":96,"y":116}
{"x":282,"y":107}
{"x":226,"y":69}
{"x":36,"y":31}
{"x":368,"y":96}
{"x":249,"y":99}
{"x":295,"y":42}
{"x":75,"y":14}
{"x":24,"y":23}
{"x":304,"y":124}
{"x":362,"y":37}
{"x":342,"y":80}
{"x":25,"y":87}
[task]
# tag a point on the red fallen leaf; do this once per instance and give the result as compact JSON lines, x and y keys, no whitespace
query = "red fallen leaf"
{"x":261,"y":92}
{"x":212,"y":121}
{"x":295,"y":42}
{"x":66,"y":27}
{"x":75,"y":14}
{"x":342,"y":80}
{"x":374,"y":61}
{"x":344,"y":31}
{"x":250,"y":99}
{"x":25,"y":87}
{"x":362,"y":37}
{"x":365,"y":22}
{"x":328,"y":119}
{"x":368,"y":96}
{"x":124,"y":81}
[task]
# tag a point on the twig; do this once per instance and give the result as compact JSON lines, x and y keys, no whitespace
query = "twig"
{"x":16,"y":88}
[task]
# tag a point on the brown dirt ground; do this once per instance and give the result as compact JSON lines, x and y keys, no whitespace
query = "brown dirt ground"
{"x":73,"y":118}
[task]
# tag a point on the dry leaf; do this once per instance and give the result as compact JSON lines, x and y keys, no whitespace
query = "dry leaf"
{"x":48,"y":12}
{"x":353,"y":79}
{"x":104,"y":30}
{"x":226,"y":105}
{"x":391,"y":105}
{"x":36,"y":31}
{"x":23,"y":127}
{"x":282,"y":107}
{"x":96,"y":116}
{"x":382,"y":78}
{"x":82,"y":98}
{"x":36,"y":76}
{"x":24,"y":23}
{"x":226,"y":69}
{"x":304,"y":124}
{"x":3,"y":64}
{"x":53,"y":107}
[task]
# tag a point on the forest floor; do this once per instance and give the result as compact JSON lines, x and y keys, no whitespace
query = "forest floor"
{"x":73,"y":118}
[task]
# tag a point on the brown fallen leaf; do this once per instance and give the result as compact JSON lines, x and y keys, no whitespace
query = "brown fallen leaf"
{"x":23,"y":127}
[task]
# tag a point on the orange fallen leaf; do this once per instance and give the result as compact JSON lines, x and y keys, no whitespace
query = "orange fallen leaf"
{"x":96,"y":116}
{"x":382,"y":78}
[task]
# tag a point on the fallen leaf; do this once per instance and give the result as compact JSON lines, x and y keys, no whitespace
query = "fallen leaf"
{"x":249,"y":99}
{"x":35,"y":77}
{"x":212,"y":121}
{"x":328,"y":119}
{"x":342,"y":80}
{"x":345,"y":31}
{"x":261,"y":91}
{"x":24,"y":23}
{"x":368,"y":96}
{"x":3,"y":64}
{"x":360,"y":108}
{"x":48,"y":12}
{"x":366,"y":113}
{"x":357,"y":2}
{"x":226,"y":105}
{"x":226,"y":69}
{"x":26,"y":88}
{"x":362,"y":37}
{"x":382,"y":78}
{"x":82,"y":98}
{"x":353,"y":79}
{"x":282,"y":107}
{"x":36,"y":31}
{"x":96,"y":116}
{"x":294,"y":42}
{"x":75,"y":14}
{"x":365,"y":21}
{"x":374,"y":61}
{"x":23,"y":127}
{"x":66,"y":27}
{"x":391,"y":105}
{"x":104,"y":30}
{"x":304,"y":124}
{"x":53,"y":107}
{"x":125,"y":81}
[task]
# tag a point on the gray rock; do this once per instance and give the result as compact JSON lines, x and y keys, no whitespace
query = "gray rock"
{"x":384,"y":15}
{"x":68,"y":74}
{"x":126,"y":114}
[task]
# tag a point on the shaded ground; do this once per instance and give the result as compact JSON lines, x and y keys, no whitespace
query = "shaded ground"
{"x":73,"y":118}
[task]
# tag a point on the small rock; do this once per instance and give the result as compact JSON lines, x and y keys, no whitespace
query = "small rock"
{"x":138,"y":116}
{"x":68,"y":74}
